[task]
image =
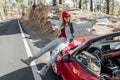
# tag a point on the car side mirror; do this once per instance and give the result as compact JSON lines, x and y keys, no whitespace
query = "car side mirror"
{"x":66,"y":58}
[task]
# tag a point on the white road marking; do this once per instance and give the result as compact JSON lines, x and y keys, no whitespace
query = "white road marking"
{"x":33,"y":64}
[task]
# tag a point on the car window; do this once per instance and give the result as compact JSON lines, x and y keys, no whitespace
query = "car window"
{"x":89,"y":61}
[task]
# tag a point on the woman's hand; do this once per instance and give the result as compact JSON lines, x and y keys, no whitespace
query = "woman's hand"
{"x":93,"y":22}
{"x":71,"y":40}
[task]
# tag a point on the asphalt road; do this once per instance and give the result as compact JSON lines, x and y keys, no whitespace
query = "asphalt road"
{"x":11,"y":50}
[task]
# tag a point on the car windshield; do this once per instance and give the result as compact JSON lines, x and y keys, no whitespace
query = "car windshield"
{"x":89,"y":61}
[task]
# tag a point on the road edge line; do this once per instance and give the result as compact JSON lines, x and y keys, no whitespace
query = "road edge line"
{"x":29,"y":53}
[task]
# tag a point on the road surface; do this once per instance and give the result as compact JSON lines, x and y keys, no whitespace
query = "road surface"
{"x":12,"y":48}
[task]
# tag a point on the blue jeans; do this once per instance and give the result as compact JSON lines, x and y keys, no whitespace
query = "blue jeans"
{"x":55,"y":45}
{"x":56,"y":51}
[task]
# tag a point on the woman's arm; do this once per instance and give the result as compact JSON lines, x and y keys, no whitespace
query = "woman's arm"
{"x":113,"y":54}
{"x":56,"y":23}
{"x":83,"y":25}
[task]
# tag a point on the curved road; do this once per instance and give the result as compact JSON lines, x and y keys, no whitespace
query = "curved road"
{"x":12,"y":49}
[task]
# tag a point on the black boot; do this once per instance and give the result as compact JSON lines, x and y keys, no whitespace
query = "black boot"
{"x":28,"y":60}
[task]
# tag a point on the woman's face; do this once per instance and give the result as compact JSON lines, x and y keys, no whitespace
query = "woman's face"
{"x":67,"y":18}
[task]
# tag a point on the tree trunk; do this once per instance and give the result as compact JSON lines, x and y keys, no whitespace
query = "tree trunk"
{"x":91,"y":5}
{"x":107,"y":6}
{"x":113,"y":4}
{"x":54,"y":2}
{"x":35,"y":2}
{"x":75,"y":3}
{"x":4,"y":8}
{"x":60,"y":1}
{"x":80,"y":1}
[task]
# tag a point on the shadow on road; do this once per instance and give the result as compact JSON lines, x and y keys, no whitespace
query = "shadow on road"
{"x":39,"y":39}
{"x":21,"y":74}
{"x":50,"y":74}
{"x":9,"y":28}
{"x":26,"y":74}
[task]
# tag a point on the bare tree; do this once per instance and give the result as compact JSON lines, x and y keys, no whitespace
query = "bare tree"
{"x":5,"y":8}
{"x":113,"y":4}
{"x":54,"y":2}
{"x":107,"y":6}
{"x":34,"y":4}
{"x":80,"y":1}
{"x":60,"y":1}
{"x":91,"y":5}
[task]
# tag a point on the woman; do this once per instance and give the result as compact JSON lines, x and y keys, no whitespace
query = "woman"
{"x":59,"y":43}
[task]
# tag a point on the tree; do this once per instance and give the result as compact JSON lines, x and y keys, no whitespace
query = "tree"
{"x":91,"y":5}
{"x":30,"y":3}
{"x":103,"y":8}
{"x":5,"y":7}
{"x":80,"y":1}
{"x":84,"y":4}
{"x":113,"y":5}
{"x":34,"y":4}
{"x":115,"y":9}
{"x":54,"y":2}
{"x":107,"y":6}
{"x":60,"y":1}
{"x":97,"y":7}
{"x":1,"y":10}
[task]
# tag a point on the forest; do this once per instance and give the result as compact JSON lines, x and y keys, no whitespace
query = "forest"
{"x":111,"y":7}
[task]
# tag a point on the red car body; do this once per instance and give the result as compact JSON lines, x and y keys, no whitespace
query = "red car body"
{"x":90,"y":58}
{"x":72,"y":70}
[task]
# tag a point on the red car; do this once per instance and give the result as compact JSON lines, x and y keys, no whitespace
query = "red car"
{"x":90,"y":58}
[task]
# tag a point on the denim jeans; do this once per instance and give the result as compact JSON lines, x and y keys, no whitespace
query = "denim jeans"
{"x":52,"y":45}
{"x":56,"y":51}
